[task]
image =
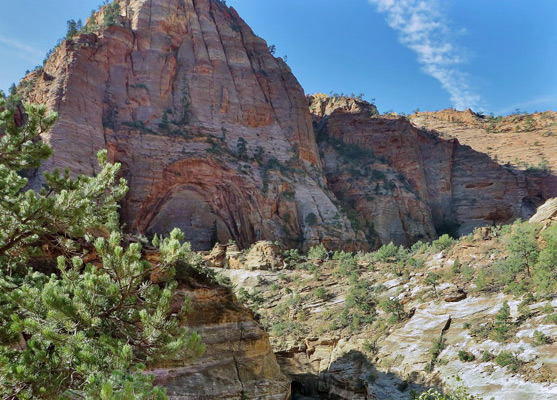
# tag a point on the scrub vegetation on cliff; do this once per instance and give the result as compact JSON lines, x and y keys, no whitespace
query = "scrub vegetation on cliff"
{"x":369,"y":302}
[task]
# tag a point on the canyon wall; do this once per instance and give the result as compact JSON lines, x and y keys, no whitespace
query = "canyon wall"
{"x":213,"y":132}
{"x":216,"y":137}
{"x":455,"y":188}
{"x":238,"y":363}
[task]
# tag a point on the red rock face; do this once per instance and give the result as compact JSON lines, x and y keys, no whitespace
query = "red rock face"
{"x":457,"y":185}
{"x":173,"y":90}
{"x":215,"y":137}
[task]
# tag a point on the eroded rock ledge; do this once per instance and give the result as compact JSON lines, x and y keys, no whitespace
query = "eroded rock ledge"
{"x":239,"y":362}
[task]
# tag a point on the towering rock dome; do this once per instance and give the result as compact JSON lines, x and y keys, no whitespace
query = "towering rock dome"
{"x":214,"y":133}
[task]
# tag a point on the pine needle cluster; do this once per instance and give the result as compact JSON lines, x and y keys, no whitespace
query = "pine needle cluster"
{"x":80,"y":315}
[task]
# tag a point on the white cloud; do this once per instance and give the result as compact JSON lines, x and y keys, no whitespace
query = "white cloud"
{"x":424,"y":29}
{"x":21,"y":46}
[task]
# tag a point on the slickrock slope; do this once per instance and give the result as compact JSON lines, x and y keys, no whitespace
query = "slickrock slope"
{"x":449,"y":186}
{"x":335,"y":337}
{"x":213,"y":132}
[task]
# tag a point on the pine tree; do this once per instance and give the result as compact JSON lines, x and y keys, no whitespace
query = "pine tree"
{"x":242,"y":147}
{"x":502,"y":323}
{"x":111,"y":13}
{"x":72,"y":29}
{"x":68,"y":328}
{"x":523,"y":247}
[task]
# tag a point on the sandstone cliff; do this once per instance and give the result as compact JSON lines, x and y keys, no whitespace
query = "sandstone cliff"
{"x":239,"y":362}
{"x":449,"y":186}
{"x":213,"y":132}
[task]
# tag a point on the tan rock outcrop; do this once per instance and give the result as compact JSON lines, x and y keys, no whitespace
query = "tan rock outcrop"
{"x":524,"y":141}
{"x":546,"y":213}
{"x":239,"y":362}
{"x":265,"y":256}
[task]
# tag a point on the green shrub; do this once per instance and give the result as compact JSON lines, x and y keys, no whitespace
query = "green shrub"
{"x":487,"y":356}
{"x":419,"y":247}
{"x":391,"y":253}
{"x":545,"y":270}
{"x":111,"y":13}
{"x":393,"y":307}
{"x":359,"y":296}
{"x":552,"y":318}
{"x":524,"y":306}
{"x":443,"y":243}
{"x":292,"y":257}
{"x":242,"y":148}
{"x":523,"y":247}
{"x":252,"y":300}
{"x":466,"y":356}
{"x":456,"y":266}
{"x":386,"y":252}
{"x":432,"y":280}
{"x":467,"y":273}
{"x":481,"y":331}
{"x":318,"y":253}
{"x":438,"y":346}
{"x":540,"y":338}
{"x":509,"y":360}
{"x":548,"y":308}
{"x":370,"y":346}
{"x":481,"y":280}
{"x":283,"y":277}
{"x":346,"y":263}
{"x":432,"y":394}
{"x":502,"y":325}
{"x":321,"y":293}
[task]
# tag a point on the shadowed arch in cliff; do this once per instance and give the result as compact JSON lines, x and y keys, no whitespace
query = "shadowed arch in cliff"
{"x":207,"y":200}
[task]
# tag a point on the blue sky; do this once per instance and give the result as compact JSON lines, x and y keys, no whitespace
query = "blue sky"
{"x":492,"y":55}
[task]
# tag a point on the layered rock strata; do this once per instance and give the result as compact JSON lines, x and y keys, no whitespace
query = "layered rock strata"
{"x":525,"y":141}
{"x":455,"y":188}
{"x":239,"y":362}
{"x":215,"y":137}
{"x":213,"y":132}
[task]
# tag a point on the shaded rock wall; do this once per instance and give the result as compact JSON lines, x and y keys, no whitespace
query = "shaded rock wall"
{"x":454,"y":185}
{"x":239,"y":362}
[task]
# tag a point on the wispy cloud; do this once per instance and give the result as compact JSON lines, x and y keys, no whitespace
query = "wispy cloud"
{"x":24,"y":48}
{"x":423,"y":28}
